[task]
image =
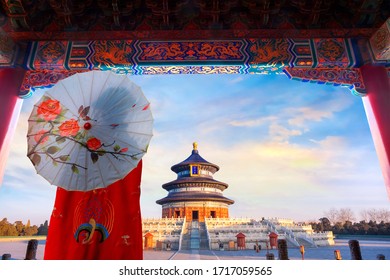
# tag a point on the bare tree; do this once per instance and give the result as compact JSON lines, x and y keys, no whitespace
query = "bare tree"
{"x":372,"y":214}
{"x":364,"y":216}
{"x":383,"y":215}
{"x":376,"y":215}
{"x":332,"y":215}
{"x":345,"y":214}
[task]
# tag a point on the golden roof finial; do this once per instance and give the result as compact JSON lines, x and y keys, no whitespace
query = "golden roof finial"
{"x":195,"y":145}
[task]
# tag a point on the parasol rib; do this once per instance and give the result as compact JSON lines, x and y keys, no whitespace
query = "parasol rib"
{"x":78,"y":187}
{"x":81,"y":90}
{"x":66,"y":90}
{"x":59,"y":171}
{"x":114,"y":166}
{"x":100,"y":173}
{"x":135,"y":109}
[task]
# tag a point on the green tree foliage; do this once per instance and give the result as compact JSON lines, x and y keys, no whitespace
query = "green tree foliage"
{"x":325,"y":224}
{"x":7,"y":229}
{"x":43,"y":228}
{"x":357,"y":228}
{"x":341,"y":221}
{"x":30,"y":231}
{"x":19,"y":229}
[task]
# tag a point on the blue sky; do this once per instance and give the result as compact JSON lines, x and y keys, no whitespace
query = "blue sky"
{"x":286,"y":148}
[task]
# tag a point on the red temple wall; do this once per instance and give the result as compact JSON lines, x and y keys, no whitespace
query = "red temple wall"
{"x":203,"y":212}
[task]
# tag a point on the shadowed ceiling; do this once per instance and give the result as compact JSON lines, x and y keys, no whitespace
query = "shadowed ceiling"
{"x":185,"y":19}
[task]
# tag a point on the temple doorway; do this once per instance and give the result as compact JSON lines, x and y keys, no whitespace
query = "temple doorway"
{"x":195,"y":215}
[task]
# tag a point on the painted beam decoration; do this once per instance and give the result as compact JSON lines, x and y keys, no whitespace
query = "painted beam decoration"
{"x":130,"y":56}
{"x":380,"y":43}
{"x":142,"y":57}
{"x":350,"y":78}
{"x":43,"y":79}
{"x":8,"y":50}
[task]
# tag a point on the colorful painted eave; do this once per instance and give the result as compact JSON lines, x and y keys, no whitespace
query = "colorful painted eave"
{"x":138,"y":56}
{"x":50,"y":61}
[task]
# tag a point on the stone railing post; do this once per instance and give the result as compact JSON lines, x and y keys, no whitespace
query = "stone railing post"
{"x":354,"y":247}
{"x":337,"y":255}
{"x":6,"y":257}
{"x":270,"y":256}
{"x":32,"y":249}
{"x":380,"y":257}
{"x":282,"y":247}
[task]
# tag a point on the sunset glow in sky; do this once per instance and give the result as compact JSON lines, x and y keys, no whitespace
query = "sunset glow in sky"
{"x":286,"y":148}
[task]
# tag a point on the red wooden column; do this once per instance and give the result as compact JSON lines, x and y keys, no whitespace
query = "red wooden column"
{"x":377,"y":107}
{"x":10,"y":105}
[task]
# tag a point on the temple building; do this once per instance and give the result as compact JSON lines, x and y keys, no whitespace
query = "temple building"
{"x":195,"y":195}
{"x":195,"y":215}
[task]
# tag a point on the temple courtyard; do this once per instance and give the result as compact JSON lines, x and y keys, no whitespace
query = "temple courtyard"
{"x":370,"y":249}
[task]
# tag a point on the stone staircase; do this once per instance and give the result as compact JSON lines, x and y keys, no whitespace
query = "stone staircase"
{"x":185,"y":242}
{"x":306,"y":243}
{"x":204,"y":243}
{"x":194,"y":236}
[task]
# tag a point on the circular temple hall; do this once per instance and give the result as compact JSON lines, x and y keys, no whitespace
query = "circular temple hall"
{"x":195,"y":195}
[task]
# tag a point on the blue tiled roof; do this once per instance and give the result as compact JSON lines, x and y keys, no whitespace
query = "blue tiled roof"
{"x":194,"y":196}
{"x":194,"y":158}
{"x":196,"y":180}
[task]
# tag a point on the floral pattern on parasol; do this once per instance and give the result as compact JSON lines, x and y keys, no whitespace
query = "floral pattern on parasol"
{"x":89,"y":130}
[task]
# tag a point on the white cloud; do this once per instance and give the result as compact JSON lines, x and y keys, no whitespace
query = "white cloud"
{"x":279,"y":133}
{"x":274,"y":176}
{"x":301,"y":115}
{"x":236,"y":80}
{"x":288,"y":122}
{"x":252,"y":122}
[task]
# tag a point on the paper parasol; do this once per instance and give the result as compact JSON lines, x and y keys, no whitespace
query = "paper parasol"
{"x":89,"y":130}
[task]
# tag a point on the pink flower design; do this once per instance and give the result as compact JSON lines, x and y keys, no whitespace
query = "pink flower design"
{"x":49,"y":109}
{"x":39,"y":135}
{"x":124,"y":150}
{"x":94,"y":144}
{"x":69,"y":128}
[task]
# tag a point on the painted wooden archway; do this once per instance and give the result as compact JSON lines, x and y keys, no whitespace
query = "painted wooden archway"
{"x":362,"y":65}
{"x":328,"y":60}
